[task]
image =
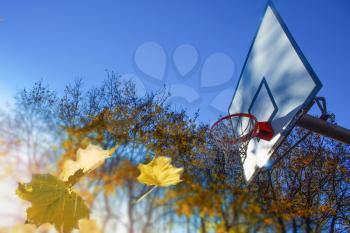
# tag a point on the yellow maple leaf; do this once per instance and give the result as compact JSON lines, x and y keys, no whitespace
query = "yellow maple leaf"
{"x":88,"y":226}
{"x":29,"y":228}
{"x":159,"y":172}
{"x":88,"y":159}
{"x":20,"y":228}
{"x":53,"y":201}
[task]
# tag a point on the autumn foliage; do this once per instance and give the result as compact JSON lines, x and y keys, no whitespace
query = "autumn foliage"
{"x":141,"y":142}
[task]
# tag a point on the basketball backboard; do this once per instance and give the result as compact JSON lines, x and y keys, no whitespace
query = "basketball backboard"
{"x":276,"y":84}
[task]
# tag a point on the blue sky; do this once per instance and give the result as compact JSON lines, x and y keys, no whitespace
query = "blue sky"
{"x":59,"y":40}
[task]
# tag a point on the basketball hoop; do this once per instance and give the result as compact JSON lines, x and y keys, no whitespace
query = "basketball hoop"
{"x":233,"y":132}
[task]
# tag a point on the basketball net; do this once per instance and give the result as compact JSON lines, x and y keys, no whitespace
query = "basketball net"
{"x":233,"y":133}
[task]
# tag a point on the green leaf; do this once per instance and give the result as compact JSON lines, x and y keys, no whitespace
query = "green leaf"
{"x":53,"y":202}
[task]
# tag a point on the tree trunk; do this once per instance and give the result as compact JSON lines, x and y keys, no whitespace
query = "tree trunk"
{"x":203,"y":227}
{"x":281,"y":223}
{"x":280,"y":220}
{"x":130,"y":209}
{"x":331,"y":229}
{"x":147,"y":226}
{"x":295,"y":227}
{"x":307,"y":225}
{"x":188,"y":226}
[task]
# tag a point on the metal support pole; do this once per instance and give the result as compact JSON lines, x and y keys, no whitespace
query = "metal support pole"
{"x":324,"y":128}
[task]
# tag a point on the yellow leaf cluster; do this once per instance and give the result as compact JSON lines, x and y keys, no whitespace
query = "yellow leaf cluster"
{"x":326,"y":209}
